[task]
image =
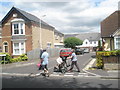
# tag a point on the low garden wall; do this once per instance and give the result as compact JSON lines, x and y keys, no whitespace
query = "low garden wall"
{"x":106,"y":59}
{"x":35,"y":54}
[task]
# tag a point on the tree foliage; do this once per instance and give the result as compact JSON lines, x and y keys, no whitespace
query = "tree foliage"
{"x":71,"y":42}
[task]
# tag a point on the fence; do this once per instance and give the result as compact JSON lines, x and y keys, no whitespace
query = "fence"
{"x":35,"y":54}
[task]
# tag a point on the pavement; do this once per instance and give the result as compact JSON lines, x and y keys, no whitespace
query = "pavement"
{"x":106,"y":74}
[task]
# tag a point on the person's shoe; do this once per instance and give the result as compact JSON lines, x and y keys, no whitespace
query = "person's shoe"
{"x":78,"y":71}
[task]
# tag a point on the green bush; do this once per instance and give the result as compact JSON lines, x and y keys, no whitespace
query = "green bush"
{"x":8,"y":59}
{"x":99,"y":63}
{"x":14,"y":60}
{"x":118,"y":52}
{"x":23,"y":57}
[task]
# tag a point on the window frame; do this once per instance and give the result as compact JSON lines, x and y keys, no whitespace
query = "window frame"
{"x":117,"y":42}
{"x":49,"y":44}
{"x":20,"y":30}
{"x":4,"y":49}
{"x":20,"y":48}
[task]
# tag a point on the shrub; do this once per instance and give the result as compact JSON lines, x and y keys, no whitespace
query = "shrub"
{"x":99,"y":63}
{"x":7,"y":58}
{"x":100,"y":54}
{"x":23,"y":57}
{"x":118,"y":52}
{"x":14,"y":60}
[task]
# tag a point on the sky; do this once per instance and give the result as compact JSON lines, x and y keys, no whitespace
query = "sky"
{"x":67,"y":16}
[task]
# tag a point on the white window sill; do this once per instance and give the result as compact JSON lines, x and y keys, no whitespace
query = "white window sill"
{"x":18,"y":34}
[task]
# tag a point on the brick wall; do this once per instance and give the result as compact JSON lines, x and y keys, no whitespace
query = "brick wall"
{"x":7,"y":32}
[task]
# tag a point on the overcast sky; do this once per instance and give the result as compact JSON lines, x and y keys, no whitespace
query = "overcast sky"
{"x":66,"y":16}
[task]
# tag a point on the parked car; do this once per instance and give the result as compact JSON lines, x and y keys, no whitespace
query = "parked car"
{"x":79,"y":51}
{"x":86,"y":50}
{"x":65,"y":52}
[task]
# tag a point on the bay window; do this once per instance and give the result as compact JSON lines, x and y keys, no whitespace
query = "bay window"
{"x":18,"y":27}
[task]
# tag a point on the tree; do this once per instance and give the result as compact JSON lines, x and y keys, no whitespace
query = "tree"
{"x":71,"y":42}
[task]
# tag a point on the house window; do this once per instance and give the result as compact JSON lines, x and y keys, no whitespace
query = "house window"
{"x":56,"y":37}
{"x":61,"y":39}
{"x":5,"y":47}
{"x":90,"y":42}
{"x":48,"y":44}
{"x":94,"y":42}
{"x":86,"y":42}
{"x":15,"y":15}
{"x":117,"y":43}
{"x":21,"y":28}
{"x":18,"y":27}
{"x":18,"y":48}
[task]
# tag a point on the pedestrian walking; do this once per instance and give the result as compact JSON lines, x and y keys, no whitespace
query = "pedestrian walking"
{"x":40,"y":66}
{"x":73,"y":58}
{"x":45,"y":57}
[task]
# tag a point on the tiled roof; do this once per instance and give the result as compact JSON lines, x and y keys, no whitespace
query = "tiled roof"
{"x":32,"y":17}
{"x":29,"y":17}
{"x":83,"y":36}
{"x":69,"y":35}
{"x":56,"y":31}
{"x":89,"y":36}
{"x":110,"y":24}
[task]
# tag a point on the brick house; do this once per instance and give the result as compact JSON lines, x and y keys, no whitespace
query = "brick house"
{"x":109,"y":29}
{"x":23,"y":32}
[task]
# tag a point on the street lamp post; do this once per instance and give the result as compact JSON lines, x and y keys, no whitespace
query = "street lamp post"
{"x":40,"y":41}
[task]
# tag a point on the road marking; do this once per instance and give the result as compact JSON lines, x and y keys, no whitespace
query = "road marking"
{"x":68,"y":75}
{"x":15,"y":74}
{"x":24,"y":64}
{"x":91,"y":73}
{"x":87,"y":62}
{"x":114,"y":71}
{"x":82,"y":73}
{"x":90,"y":64}
{"x":54,"y":75}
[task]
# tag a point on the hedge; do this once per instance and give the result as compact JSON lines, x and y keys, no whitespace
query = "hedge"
{"x":100,"y":54}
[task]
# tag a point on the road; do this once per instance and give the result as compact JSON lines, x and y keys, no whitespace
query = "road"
{"x":57,"y":82}
{"x":21,"y":77}
{"x":82,"y":61}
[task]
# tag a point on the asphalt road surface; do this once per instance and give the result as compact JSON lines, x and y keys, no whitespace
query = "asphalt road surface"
{"x":57,"y":82}
{"x":73,"y":80}
{"x":82,"y":61}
